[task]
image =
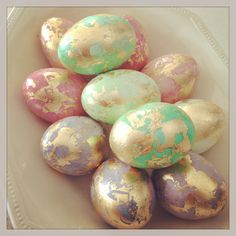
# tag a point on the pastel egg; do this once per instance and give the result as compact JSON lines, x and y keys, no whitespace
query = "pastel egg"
{"x":122,"y":195}
{"x":73,"y":145}
{"x":97,"y":44}
{"x":139,"y":58}
{"x":155,"y":135}
{"x":110,"y":95}
{"x":191,"y":189}
{"x":175,"y":74}
{"x":54,"y":93}
{"x":52,"y":31}
{"x":208,"y":119}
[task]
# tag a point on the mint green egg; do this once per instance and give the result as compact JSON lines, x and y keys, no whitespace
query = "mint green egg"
{"x":155,"y":135}
{"x":110,"y":95}
{"x":97,"y":44}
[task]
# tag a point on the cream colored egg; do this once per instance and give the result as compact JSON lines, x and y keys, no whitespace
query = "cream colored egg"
{"x":208,"y":119}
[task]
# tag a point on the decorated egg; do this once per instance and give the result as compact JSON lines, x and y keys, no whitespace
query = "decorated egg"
{"x":110,"y":95}
{"x":155,"y":135}
{"x":208,"y":119}
{"x":54,"y":93}
{"x":52,"y":31}
{"x":97,"y":44}
{"x":175,"y":74}
{"x":73,"y":145}
{"x":139,"y":58}
{"x":122,"y":195}
{"x":191,"y":189}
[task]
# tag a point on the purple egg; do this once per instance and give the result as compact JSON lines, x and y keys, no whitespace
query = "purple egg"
{"x":73,"y":145}
{"x":191,"y":189}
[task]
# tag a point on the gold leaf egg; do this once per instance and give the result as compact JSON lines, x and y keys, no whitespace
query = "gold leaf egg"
{"x":73,"y":145}
{"x":208,"y":119}
{"x":191,"y":189}
{"x":122,"y":195}
{"x":52,"y":31}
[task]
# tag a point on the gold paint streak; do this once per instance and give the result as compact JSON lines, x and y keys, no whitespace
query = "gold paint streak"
{"x":169,"y":67}
{"x":108,"y":98}
{"x":187,"y":87}
{"x":70,"y":138}
{"x":205,"y":185}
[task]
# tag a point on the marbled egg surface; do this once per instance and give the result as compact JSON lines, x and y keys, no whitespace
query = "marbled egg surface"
{"x":191,"y":189}
{"x":122,"y":195}
{"x":52,"y":31}
{"x":97,"y":44}
{"x":73,"y":145}
{"x":54,"y":93}
{"x":110,"y":95}
{"x":155,"y":135}
{"x":208,"y":119}
{"x":139,"y":58}
{"x":175,"y":74}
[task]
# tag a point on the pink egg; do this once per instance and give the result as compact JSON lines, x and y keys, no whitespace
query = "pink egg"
{"x":54,"y":93}
{"x":140,"y":56}
{"x":175,"y":74}
{"x":52,"y":31}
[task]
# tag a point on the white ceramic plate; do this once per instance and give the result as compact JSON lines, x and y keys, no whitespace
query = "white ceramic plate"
{"x":39,"y":197}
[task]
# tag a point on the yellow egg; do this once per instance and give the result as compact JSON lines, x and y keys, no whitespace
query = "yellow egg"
{"x":122,"y":195}
{"x":208,"y":119}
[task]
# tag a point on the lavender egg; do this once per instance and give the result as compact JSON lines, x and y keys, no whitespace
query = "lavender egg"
{"x":52,"y":31}
{"x":122,"y":195}
{"x":73,"y":145}
{"x":191,"y":189}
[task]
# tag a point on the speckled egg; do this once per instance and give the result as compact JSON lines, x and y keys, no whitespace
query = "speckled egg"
{"x":110,"y":95}
{"x":97,"y":44}
{"x":139,"y":58}
{"x":54,"y":93}
{"x":122,"y":195}
{"x":191,"y":189}
{"x":155,"y":135}
{"x":52,"y":31}
{"x":175,"y":74}
{"x":208,"y":119}
{"x":73,"y":145}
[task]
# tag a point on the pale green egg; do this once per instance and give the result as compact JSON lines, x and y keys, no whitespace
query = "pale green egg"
{"x":110,"y":95}
{"x":155,"y":135}
{"x":97,"y":44}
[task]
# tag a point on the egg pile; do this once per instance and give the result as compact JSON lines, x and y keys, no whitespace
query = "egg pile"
{"x":101,"y":75}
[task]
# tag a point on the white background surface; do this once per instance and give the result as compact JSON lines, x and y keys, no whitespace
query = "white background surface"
{"x":217,"y":22}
